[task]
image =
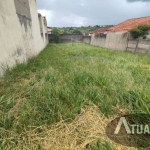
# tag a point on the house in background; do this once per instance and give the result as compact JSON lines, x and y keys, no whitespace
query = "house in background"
{"x":49,"y":30}
{"x":23,"y":32}
{"x":129,"y":24}
{"x":100,"y":31}
{"x":118,"y":36}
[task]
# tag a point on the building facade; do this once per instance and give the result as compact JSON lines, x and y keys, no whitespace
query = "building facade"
{"x":23,"y":32}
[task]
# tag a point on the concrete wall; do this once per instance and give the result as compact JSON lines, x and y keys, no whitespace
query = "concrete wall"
{"x":148,"y":36}
{"x":120,"y":41}
{"x":139,"y":46}
{"x":23,"y":8}
{"x":67,"y":38}
{"x":87,"y":39}
{"x":113,"y":40}
{"x":98,"y":40}
{"x":19,"y":32}
{"x":39,"y":30}
{"x":116,"y":40}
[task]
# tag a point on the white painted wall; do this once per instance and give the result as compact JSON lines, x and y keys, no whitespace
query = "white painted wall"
{"x":20,"y":38}
{"x":148,"y":36}
{"x":15,"y":43}
{"x":39,"y":41}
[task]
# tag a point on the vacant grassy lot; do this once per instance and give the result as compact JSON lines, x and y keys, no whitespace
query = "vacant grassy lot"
{"x":63,"y":77}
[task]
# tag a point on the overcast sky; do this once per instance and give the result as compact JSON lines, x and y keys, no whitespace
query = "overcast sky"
{"x":62,"y":13}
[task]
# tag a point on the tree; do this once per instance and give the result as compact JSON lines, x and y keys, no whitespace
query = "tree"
{"x":77,"y":32}
{"x":56,"y":33}
{"x":97,"y":26}
{"x":139,"y":31}
{"x":65,"y":31}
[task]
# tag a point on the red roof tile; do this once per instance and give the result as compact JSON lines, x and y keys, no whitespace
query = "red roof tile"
{"x":129,"y":24}
{"x":100,"y":30}
{"x":49,"y":30}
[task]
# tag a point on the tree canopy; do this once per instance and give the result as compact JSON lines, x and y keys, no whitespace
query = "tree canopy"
{"x":139,"y":31}
{"x":56,"y":33}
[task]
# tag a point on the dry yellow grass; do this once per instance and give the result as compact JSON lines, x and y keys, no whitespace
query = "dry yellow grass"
{"x":78,"y":134}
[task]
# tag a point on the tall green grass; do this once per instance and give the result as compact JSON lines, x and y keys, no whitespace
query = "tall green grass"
{"x":100,"y":146}
{"x":57,"y":82}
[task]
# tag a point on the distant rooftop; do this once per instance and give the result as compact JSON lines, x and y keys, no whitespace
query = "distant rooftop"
{"x":100,"y":30}
{"x":129,"y":24}
{"x":49,"y":30}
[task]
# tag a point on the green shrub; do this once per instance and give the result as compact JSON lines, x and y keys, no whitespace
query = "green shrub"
{"x":139,"y":31}
{"x":56,"y":33}
{"x":77,"y":32}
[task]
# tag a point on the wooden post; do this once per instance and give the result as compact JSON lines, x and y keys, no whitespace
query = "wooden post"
{"x":149,"y":50}
{"x":136,"y":45}
{"x":127,"y":40}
